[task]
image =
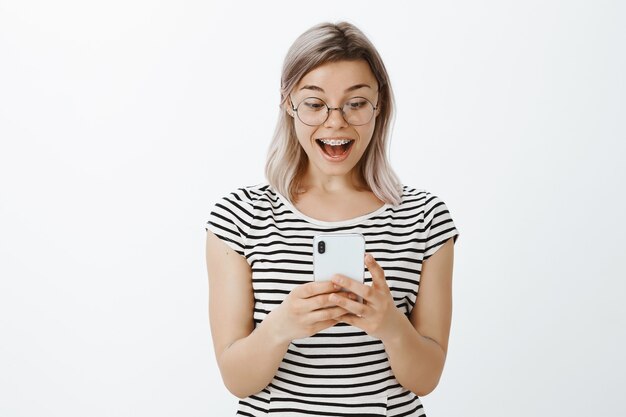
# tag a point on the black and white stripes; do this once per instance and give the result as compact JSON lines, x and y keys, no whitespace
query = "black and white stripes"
{"x":340,"y":371}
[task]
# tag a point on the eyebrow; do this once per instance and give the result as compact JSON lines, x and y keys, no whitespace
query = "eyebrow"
{"x":316,"y":88}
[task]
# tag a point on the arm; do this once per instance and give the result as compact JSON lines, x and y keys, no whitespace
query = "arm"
{"x":248,"y":358}
{"x":417,"y":351}
{"x":416,"y":346}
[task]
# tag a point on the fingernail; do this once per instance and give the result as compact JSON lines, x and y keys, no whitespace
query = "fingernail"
{"x":337,"y":287}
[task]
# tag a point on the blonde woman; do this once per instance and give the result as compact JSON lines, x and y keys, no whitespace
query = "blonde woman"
{"x":285,"y":344}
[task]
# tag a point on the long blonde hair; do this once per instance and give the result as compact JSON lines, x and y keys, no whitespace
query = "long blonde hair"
{"x":286,"y":160}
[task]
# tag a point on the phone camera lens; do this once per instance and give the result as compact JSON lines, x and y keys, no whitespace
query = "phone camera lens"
{"x":321,"y":247}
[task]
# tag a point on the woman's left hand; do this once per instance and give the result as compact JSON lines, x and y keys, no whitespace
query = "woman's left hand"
{"x":378,"y":315}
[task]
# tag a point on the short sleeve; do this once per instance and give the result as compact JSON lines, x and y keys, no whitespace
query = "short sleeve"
{"x":230,"y":220}
{"x":438,"y":225}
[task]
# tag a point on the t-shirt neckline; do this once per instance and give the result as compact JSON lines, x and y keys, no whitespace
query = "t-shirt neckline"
{"x":346,"y":222}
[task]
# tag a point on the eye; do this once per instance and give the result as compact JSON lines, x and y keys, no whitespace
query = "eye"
{"x":356,"y":103}
{"x":313,"y":104}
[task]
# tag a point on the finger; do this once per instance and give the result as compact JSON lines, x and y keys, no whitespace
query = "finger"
{"x":378,"y":275}
{"x":353,"y":307}
{"x":326,"y":314}
{"x":321,"y":301}
{"x":351,"y":285}
{"x":311,"y":289}
{"x":318,"y":327}
{"x":352,"y":320}
{"x":345,"y":294}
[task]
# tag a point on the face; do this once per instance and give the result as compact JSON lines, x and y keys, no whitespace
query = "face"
{"x":335,"y":147}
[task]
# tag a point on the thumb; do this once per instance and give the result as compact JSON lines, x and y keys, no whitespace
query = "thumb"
{"x":378,"y":275}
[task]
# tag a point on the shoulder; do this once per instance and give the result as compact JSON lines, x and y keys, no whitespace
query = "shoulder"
{"x":233,"y":214}
{"x":249,"y":201}
{"x":424,"y":203}
{"x":251,"y":195}
{"x":436,"y":220}
{"x":418,"y":197}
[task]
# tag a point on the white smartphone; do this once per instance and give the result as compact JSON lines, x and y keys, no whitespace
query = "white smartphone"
{"x":339,"y":253}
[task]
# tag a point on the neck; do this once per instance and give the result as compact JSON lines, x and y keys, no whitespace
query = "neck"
{"x":314,"y":180}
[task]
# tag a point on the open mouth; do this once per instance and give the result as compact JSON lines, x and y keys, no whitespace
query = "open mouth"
{"x":335,"y":148}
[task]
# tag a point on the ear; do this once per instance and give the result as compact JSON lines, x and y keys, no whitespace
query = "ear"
{"x":288,"y":106}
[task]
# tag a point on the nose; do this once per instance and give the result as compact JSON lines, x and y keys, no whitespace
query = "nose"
{"x":335,"y":119}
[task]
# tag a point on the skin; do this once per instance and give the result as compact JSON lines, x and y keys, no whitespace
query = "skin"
{"x":248,"y":358}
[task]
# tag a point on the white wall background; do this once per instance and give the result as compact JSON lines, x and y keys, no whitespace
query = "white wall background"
{"x":122,"y":122}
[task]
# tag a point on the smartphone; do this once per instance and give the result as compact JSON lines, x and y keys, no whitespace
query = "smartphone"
{"x":339,"y":253}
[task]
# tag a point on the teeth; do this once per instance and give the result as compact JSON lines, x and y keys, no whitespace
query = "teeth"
{"x":335,"y":142}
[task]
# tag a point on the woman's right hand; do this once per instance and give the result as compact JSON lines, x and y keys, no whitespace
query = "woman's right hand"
{"x":306,"y":311}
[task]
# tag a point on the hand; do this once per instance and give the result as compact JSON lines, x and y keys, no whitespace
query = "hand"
{"x":306,"y":311}
{"x":378,"y":315}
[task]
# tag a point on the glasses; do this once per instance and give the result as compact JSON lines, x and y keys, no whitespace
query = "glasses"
{"x":313,"y":111}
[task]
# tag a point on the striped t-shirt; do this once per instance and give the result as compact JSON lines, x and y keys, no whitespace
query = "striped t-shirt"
{"x":340,"y":371}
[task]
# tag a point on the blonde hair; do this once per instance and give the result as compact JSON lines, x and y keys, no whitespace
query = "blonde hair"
{"x":286,"y":160}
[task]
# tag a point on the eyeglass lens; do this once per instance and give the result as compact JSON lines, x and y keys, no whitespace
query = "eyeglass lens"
{"x":356,"y":111}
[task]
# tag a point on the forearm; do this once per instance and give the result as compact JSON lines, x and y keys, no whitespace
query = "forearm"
{"x":417,"y":361}
{"x":249,"y":364}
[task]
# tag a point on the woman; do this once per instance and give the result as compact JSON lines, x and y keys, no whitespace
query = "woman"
{"x":287,"y":345}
